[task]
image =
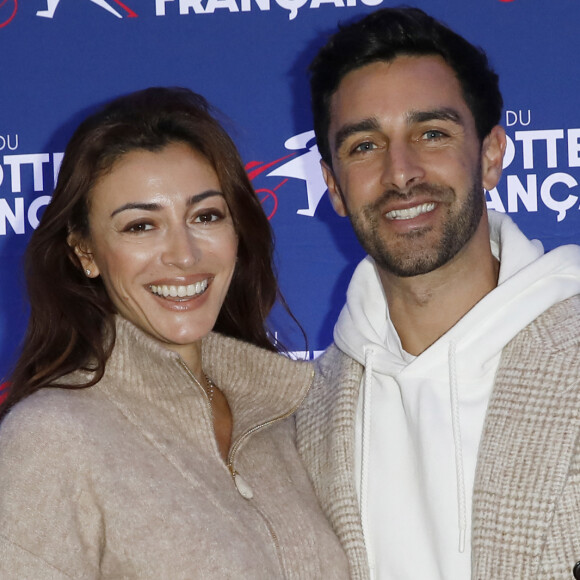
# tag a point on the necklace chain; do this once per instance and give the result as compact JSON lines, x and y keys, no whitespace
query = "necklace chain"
{"x":210,"y":390}
{"x":210,"y":386}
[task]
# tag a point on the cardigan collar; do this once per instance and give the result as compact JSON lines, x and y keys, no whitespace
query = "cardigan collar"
{"x":260,"y":386}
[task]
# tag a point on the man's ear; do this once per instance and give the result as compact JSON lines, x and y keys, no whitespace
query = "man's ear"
{"x":492,"y":152}
{"x":83,"y":252}
{"x":333,"y":190}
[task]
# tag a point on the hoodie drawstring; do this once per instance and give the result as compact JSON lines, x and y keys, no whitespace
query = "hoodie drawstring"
{"x":365,"y":444}
{"x":456,"y":427}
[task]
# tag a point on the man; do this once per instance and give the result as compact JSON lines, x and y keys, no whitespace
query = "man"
{"x":447,"y":410}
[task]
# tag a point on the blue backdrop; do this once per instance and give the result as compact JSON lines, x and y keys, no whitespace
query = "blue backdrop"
{"x":61,"y":58}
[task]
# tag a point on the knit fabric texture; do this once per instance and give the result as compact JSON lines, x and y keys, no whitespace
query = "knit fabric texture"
{"x":124,"y":479}
{"x":526,"y":498}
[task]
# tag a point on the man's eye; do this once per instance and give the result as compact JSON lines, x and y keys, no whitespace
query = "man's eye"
{"x":363,"y":147}
{"x":433,"y":134}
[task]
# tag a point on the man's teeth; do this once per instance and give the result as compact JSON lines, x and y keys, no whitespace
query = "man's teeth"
{"x":410,"y":213}
{"x":180,"y":291}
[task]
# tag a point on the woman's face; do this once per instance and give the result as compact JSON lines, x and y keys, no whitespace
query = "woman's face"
{"x":163,"y":241}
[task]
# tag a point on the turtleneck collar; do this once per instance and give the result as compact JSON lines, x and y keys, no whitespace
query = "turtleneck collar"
{"x":260,"y":386}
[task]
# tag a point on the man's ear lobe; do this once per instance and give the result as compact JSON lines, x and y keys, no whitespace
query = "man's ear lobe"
{"x":492,"y":152}
{"x":334,"y":192}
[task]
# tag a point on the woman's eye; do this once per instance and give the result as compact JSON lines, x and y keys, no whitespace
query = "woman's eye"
{"x":139,"y":227}
{"x":207,"y":217}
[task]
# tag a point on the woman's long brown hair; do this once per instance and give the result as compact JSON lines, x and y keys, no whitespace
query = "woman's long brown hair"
{"x":71,"y":316}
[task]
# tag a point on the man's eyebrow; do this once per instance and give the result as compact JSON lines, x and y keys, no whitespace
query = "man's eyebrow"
{"x":370,"y":124}
{"x":443,"y":114}
{"x":157,"y":206}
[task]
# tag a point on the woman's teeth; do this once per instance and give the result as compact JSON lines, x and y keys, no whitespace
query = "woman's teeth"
{"x":179,"y":291}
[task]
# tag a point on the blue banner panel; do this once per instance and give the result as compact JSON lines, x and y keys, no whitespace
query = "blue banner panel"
{"x":63,"y":58}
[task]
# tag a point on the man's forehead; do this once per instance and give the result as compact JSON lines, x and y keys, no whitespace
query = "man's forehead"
{"x":403,"y":67}
{"x":409,"y":86}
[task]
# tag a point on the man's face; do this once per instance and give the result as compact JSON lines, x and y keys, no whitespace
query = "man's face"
{"x":407,"y":164}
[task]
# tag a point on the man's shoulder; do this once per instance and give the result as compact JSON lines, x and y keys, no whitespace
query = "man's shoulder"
{"x":557,"y":328}
{"x":336,"y":383}
{"x":548,"y":347}
{"x":333,"y":362}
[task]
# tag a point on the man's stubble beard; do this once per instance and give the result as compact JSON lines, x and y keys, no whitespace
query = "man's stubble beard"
{"x":458,"y":228}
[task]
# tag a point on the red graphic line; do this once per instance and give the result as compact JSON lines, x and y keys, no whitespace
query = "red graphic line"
{"x":130,"y":13}
{"x":257,"y":172}
{"x":12,"y":15}
{"x":3,"y":391}
{"x":280,"y":184}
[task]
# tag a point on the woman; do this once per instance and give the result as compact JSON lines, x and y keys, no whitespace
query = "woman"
{"x":137,"y":443}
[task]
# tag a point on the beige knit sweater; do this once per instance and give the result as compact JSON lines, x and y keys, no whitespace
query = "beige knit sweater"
{"x":526,"y":497}
{"x":124,"y":480}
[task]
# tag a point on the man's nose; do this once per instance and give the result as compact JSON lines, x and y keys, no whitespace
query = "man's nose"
{"x":402,"y":167}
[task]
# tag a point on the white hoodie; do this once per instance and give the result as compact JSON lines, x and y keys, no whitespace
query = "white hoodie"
{"x":420,"y":419}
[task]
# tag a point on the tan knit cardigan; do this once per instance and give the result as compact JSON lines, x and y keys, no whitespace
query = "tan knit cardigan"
{"x":526,"y":498}
{"x":124,"y":480}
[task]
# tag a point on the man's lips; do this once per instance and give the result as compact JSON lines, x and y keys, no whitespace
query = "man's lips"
{"x":410,"y":212}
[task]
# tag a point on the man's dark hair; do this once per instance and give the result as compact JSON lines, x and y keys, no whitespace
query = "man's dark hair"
{"x":387,"y":34}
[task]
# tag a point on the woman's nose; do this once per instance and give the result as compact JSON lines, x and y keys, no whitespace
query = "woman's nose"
{"x":181,"y":248}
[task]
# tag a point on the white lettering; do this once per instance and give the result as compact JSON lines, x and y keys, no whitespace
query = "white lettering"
{"x":317,"y":3}
{"x":39,"y":202}
{"x":292,"y":6}
{"x":197,"y":6}
{"x":15,"y":218}
{"x":522,"y":122}
{"x":528,"y":194}
{"x":5,"y":142}
{"x":227,"y":4}
{"x":160,"y":7}
{"x":573,"y":147}
{"x":56,"y":163}
{"x":185,"y":6}
{"x":550,"y":136}
{"x":546,"y":194}
{"x":34,"y":159}
{"x":494,"y":201}
{"x":262,"y":5}
{"x":511,"y":118}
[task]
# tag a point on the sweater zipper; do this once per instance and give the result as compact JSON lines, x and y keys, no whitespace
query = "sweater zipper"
{"x":243,"y":437}
{"x":234,"y":450}
{"x":192,"y":378}
{"x":234,"y":473}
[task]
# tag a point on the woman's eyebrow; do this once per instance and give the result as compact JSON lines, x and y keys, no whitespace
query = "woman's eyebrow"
{"x":157,"y":206}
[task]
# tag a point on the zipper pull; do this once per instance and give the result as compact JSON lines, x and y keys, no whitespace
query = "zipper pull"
{"x":241,"y":485}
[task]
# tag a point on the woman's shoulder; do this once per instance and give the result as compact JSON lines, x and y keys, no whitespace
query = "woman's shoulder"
{"x":51,"y":413}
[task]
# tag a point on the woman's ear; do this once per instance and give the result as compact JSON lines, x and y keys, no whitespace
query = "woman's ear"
{"x":83,"y":251}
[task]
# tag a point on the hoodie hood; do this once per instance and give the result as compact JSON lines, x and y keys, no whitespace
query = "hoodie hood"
{"x":529,"y":283}
{"x":444,"y":388}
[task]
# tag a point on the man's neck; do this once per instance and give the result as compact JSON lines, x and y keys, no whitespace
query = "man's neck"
{"x":423,"y":308}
